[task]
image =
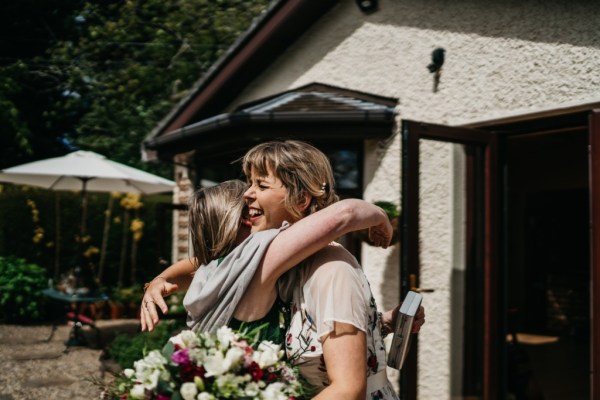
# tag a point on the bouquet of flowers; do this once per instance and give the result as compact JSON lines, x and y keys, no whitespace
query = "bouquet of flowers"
{"x":202,"y":366}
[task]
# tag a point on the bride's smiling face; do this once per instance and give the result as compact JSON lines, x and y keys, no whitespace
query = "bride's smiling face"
{"x":265,"y":199}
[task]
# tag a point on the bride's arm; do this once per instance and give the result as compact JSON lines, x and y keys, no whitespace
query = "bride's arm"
{"x":315,"y":231}
{"x":176,"y":277}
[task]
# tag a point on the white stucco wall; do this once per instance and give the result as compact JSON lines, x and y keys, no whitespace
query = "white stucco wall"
{"x":502,"y":57}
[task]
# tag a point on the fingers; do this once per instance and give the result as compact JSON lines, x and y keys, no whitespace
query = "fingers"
{"x":381,"y":235}
{"x":417,"y":324}
{"x":169,"y":288}
{"x":149,"y":311}
{"x":419,"y":320}
{"x":146,"y":320}
{"x":153,"y":301}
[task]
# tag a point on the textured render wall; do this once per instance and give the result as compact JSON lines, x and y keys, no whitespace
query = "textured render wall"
{"x":503,"y":57}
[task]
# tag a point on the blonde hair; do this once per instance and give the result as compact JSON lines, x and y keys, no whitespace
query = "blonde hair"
{"x":215,"y":215}
{"x":302,"y":168}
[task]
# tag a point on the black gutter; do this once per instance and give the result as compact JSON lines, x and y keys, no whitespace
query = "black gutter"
{"x":243,"y":127}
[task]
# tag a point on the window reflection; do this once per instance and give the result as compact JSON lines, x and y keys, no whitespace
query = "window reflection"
{"x":345,"y":168}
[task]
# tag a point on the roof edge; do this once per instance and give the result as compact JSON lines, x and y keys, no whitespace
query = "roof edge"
{"x":265,"y":29}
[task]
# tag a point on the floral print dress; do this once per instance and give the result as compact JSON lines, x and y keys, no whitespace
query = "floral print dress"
{"x":328,"y":287}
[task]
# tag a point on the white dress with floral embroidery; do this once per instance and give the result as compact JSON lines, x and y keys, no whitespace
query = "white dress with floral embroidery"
{"x":327,"y":287}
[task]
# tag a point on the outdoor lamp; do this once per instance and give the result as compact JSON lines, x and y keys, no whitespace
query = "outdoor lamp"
{"x":367,"y":6}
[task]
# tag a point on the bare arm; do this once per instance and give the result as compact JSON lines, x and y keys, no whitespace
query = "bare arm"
{"x":346,"y":360}
{"x":316,"y":231}
{"x":175,"y":278}
{"x":304,"y":238}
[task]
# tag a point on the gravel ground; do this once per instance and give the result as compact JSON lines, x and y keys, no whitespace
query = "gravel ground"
{"x":33,"y":368}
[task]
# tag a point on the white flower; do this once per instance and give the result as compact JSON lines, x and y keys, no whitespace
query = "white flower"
{"x":234,"y":356}
{"x":128,"y":372}
{"x":188,"y":390}
{"x":217,"y":364}
{"x":209,"y":342}
{"x":225,"y":336}
{"x":275,"y":391}
{"x":205,"y":396}
{"x":232,"y":384}
{"x":150,"y":368}
{"x":252,"y":390}
{"x":268,"y":354}
{"x":185,"y":339}
{"x":137,"y":392}
{"x":198,"y":355}
{"x":154,"y":359}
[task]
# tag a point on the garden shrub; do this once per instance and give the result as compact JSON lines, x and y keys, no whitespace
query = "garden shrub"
{"x":21,"y":285}
{"x":125,"y":349}
{"x":35,"y":211}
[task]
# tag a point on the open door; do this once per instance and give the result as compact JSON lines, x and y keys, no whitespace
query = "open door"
{"x":594,"y":163}
{"x":450,"y":233}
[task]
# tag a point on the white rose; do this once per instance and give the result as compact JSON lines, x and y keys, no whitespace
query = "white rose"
{"x":149,"y":369}
{"x":205,"y":396}
{"x":225,"y":336}
{"x":198,"y":355}
{"x":268,"y":354}
{"x":234,"y":356}
{"x":188,"y":391}
{"x":185,"y":339}
{"x":274,"y":392}
{"x":151,"y":382}
{"x":128,"y":372}
{"x":137,"y":392}
{"x":252,"y":389}
{"x":215,"y":364}
{"x":155,"y":359}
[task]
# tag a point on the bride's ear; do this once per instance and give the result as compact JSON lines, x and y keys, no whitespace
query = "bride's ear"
{"x":304,"y":202}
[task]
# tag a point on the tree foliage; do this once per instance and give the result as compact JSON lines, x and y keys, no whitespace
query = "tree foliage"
{"x":112,"y":71}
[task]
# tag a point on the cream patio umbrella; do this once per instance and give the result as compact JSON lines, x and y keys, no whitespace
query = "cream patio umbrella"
{"x":85,"y":171}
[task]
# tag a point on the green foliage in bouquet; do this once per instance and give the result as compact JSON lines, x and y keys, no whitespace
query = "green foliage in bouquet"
{"x":21,"y":285}
{"x":126,"y":349}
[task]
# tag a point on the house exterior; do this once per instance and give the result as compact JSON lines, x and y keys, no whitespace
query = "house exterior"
{"x":493,"y":160}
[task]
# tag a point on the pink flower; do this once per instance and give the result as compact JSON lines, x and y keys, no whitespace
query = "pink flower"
{"x":181,"y":356}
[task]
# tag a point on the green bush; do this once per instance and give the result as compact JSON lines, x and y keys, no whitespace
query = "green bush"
{"x":390,"y":208}
{"x":21,"y":285}
{"x":126,"y":349}
{"x":63,"y":209}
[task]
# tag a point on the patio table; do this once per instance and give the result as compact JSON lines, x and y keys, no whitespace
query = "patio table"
{"x":76,"y":338}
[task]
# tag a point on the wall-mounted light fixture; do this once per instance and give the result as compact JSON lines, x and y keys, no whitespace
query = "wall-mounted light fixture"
{"x":367,"y":6}
{"x":437,"y":60}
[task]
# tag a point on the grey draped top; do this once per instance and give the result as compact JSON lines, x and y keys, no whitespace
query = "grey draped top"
{"x":217,"y":287}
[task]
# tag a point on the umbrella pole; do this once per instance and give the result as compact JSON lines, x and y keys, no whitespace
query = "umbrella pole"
{"x":57,"y":238}
{"x":86,"y":277}
{"x":84,"y":202}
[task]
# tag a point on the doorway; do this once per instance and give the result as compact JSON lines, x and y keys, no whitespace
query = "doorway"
{"x":548,"y":265}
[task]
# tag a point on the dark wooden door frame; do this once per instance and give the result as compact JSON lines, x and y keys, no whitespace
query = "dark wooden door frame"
{"x":412,"y":133}
{"x":594,"y":165}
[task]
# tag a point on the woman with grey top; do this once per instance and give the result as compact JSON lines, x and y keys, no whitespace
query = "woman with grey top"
{"x":342,"y":354}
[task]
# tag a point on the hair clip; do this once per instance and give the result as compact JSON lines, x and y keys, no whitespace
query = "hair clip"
{"x":324,"y":186}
